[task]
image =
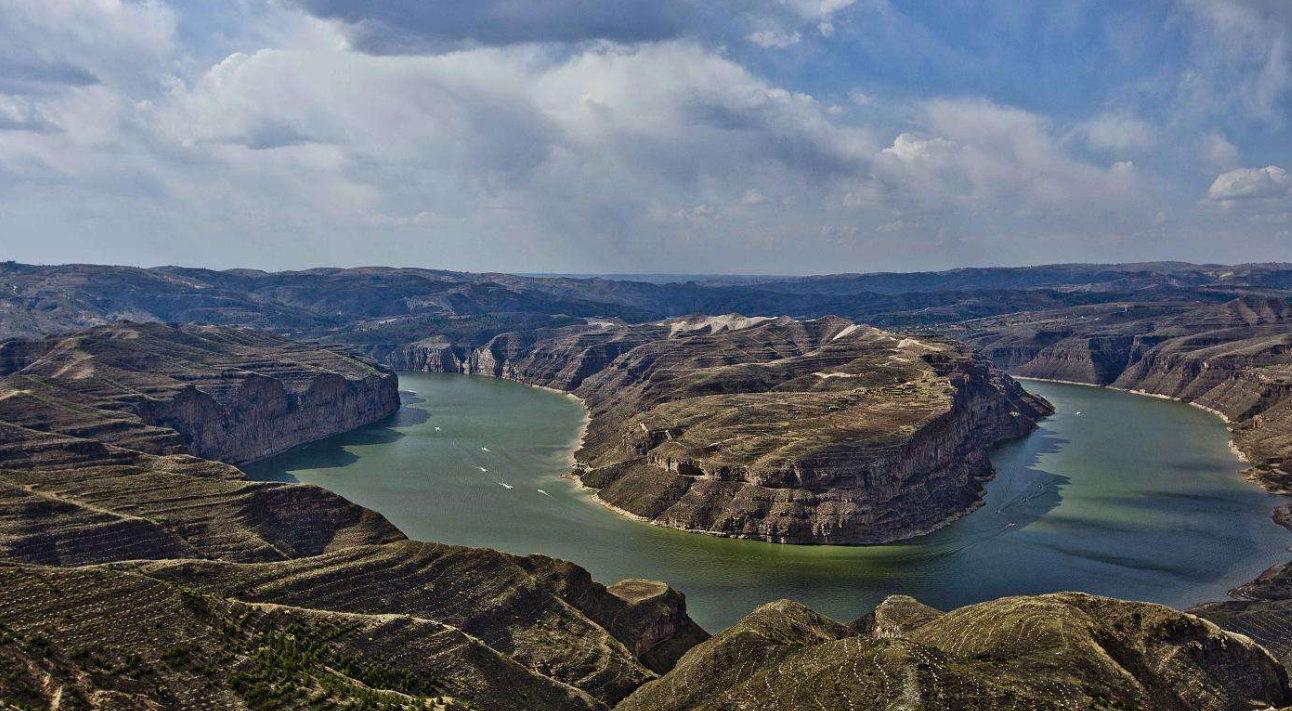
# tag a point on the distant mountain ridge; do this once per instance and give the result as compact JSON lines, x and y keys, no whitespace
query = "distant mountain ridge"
{"x":381,"y":310}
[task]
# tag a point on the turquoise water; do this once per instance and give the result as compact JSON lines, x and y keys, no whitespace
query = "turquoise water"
{"x":1117,"y":494}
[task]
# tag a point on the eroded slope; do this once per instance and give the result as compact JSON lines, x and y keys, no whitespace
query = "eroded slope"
{"x":820,"y":431}
{"x":1068,"y":651}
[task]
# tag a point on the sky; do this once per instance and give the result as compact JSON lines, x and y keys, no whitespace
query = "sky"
{"x":649,"y":136}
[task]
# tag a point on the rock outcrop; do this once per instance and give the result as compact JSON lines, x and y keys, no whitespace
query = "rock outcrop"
{"x":820,"y":431}
{"x":232,"y":395}
{"x":1065,"y":650}
{"x":428,"y":355}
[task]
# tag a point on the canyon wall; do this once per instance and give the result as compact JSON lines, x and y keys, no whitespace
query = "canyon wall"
{"x":261,"y":417}
{"x":1234,"y":359}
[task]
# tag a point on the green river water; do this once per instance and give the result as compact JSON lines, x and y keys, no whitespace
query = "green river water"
{"x":1116,"y":494}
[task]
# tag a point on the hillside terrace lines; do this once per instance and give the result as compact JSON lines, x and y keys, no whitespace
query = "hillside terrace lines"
{"x":480,"y":593}
{"x":704,"y":406}
{"x":89,"y":614}
{"x":74,"y":493}
{"x":1114,"y":655}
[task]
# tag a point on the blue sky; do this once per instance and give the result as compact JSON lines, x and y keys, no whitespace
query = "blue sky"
{"x":769,"y":136}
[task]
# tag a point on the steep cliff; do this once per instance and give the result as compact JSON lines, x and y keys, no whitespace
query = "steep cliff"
{"x":818,"y":431}
{"x":233,"y":395}
{"x":428,"y":355}
{"x":1234,"y":359}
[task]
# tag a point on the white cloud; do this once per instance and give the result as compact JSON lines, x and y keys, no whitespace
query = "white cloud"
{"x":1252,"y":188}
{"x":817,"y":9}
{"x":52,"y":44}
{"x":772,"y":39}
{"x":1241,"y":57}
{"x":982,"y":156}
{"x":541,"y":151}
{"x":1118,"y":133}
{"x":1218,"y":151}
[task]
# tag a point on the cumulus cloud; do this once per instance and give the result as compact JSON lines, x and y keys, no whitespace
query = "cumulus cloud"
{"x":488,"y":137}
{"x":1254,"y":188}
{"x":556,"y":155}
{"x":819,"y":9}
{"x":433,"y":26}
{"x":1219,"y":151}
{"x":437,"y":26}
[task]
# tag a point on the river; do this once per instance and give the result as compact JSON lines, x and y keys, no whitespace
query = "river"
{"x":1116,"y":494}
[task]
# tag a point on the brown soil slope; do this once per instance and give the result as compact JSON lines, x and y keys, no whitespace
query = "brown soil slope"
{"x":819,"y":431}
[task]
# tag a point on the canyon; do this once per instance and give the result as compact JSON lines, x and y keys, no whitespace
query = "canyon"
{"x":121,"y":505}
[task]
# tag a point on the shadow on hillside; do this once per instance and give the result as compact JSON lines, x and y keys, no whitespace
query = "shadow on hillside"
{"x":333,"y":452}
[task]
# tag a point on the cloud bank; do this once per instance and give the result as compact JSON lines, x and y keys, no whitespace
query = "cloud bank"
{"x":571,"y":136}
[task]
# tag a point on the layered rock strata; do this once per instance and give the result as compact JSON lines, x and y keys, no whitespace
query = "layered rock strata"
{"x":820,"y":431}
{"x":1234,"y":359}
{"x":230,"y":394}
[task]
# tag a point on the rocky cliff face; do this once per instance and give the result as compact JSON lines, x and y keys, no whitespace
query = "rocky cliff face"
{"x":1234,"y":359}
{"x":789,"y":431}
{"x":232,"y":395}
{"x":429,"y":355}
{"x":259,"y":416}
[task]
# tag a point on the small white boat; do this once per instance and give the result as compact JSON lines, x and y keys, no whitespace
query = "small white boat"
{"x":544,"y":493}
{"x":482,"y":469}
{"x":484,"y":449}
{"x":505,"y":486}
{"x":437,"y":429}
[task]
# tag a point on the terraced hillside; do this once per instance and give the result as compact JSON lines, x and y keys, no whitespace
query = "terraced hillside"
{"x":197,"y":589}
{"x":816,"y":431}
{"x":1062,"y":651}
{"x":226,"y":394}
